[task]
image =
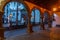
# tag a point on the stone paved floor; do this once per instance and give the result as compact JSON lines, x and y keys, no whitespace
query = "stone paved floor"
{"x":21,"y":34}
{"x":17,"y":32}
{"x":55,"y":33}
{"x":48,"y":34}
{"x":52,"y":34}
{"x":42,"y":35}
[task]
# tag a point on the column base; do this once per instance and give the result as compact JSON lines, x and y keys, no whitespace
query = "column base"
{"x":1,"y":33}
{"x":30,"y":31}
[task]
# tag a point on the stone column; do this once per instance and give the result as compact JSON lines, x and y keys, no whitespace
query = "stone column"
{"x":42,"y":23}
{"x":49,"y":24}
{"x":1,"y":27}
{"x":29,"y":24}
{"x":49,"y":21}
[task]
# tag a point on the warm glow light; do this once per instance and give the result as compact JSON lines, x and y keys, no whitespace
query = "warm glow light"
{"x":59,"y":6}
{"x":41,"y":8}
{"x":44,"y":9}
{"x":54,"y":9}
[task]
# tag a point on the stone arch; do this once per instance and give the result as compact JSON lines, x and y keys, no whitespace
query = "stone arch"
{"x":39,"y":19}
{"x":7,"y":1}
{"x":21,"y":1}
{"x":47,"y":21}
{"x":46,"y":14}
{"x":26,"y":6}
{"x":37,"y":9}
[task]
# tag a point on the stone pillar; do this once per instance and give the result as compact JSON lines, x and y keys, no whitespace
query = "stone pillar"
{"x":49,"y":21}
{"x":49,"y":24}
{"x":1,"y":27}
{"x":29,"y":24}
{"x":42,"y":23}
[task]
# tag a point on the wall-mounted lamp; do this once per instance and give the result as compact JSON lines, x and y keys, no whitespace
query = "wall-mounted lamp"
{"x":54,"y":9}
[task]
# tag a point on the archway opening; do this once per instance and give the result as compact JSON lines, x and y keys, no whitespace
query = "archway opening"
{"x":15,"y":17}
{"x":35,"y":19}
{"x":46,"y":19}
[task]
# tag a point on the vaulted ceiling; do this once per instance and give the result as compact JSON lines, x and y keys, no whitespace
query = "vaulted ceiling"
{"x":45,"y":3}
